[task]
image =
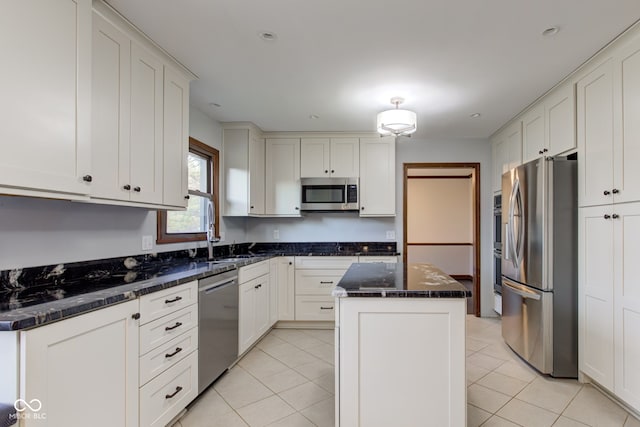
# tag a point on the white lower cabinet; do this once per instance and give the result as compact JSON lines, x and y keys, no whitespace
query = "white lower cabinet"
{"x":253,"y":307}
{"x":426,"y":336}
{"x":169,"y":393}
{"x":315,"y":279}
{"x":83,"y":370}
{"x":609,"y":293}
{"x":283,"y":276}
{"x":168,"y":353}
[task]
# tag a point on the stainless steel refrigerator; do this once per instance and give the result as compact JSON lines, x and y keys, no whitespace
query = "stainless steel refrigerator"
{"x":539,"y":264}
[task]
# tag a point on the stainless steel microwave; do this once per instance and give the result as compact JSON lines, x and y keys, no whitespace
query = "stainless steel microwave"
{"x":330,"y":194}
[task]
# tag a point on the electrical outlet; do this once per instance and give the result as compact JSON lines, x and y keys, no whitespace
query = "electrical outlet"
{"x":222,"y":236}
{"x":276,"y":234}
{"x":147,"y":243}
{"x":391,"y":235}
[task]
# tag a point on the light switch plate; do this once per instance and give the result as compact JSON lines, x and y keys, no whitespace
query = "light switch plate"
{"x":276,"y":234}
{"x":391,"y":235}
{"x":147,"y":243}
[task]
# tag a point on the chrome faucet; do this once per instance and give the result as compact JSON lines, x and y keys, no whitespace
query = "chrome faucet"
{"x":211,"y":238}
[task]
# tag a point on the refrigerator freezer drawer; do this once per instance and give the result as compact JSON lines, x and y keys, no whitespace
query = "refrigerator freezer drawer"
{"x":527,"y":324}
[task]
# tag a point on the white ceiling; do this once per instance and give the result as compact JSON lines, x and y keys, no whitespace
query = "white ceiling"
{"x":343,"y":60}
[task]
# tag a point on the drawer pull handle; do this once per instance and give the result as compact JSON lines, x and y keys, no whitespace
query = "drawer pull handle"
{"x":169,"y":301}
{"x":169,"y":396}
{"x":169,"y":355}
{"x":326,"y":308}
{"x":168,"y":328}
{"x":326,"y":283}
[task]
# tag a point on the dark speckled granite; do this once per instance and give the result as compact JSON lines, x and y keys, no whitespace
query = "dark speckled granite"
{"x":379,"y":280}
{"x":37,"y":295}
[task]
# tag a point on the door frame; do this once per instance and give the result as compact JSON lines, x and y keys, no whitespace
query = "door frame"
{"x":476,"y":216}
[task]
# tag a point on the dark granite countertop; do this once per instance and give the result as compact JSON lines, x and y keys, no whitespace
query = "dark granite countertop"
{"x":35,"y":296}
{"x":379,"y":280}
{"x":36,"y":306}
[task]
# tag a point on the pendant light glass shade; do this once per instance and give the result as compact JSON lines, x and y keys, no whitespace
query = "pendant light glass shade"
{"x":397,"y":122}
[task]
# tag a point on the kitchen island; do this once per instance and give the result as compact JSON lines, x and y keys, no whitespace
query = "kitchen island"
{"x":400,"y":347}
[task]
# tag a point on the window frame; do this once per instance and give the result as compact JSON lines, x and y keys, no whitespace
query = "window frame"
{"x":213,"y":182}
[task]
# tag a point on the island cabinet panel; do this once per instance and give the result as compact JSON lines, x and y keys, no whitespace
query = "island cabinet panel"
{"x":401,"y":362}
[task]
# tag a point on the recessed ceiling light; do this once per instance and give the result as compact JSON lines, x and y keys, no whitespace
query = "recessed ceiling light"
{"x":475,"y":115}
{"x":550,"y":31}
{"x":214,"y":104}
{"x":268,"y":36}
{"x":314,"y":116}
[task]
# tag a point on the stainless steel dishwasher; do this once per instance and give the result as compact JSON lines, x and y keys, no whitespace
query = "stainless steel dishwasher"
{"x":217,"y":327}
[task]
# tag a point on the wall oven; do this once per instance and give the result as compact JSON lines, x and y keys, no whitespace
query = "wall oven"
{"x":497,"y":243}
{"x":329,"y":194}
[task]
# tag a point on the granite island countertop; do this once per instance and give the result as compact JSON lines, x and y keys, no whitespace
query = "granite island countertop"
{"x":382,"y":280}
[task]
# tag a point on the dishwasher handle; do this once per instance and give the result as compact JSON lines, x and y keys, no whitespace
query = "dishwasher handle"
{"x":217,"y":285}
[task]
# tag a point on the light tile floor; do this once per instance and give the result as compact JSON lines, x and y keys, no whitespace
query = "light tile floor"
{"x":287,"y":381}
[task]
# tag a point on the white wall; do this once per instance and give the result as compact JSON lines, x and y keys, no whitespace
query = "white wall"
{"x":411,"y":150}
{"x":39,"y":232}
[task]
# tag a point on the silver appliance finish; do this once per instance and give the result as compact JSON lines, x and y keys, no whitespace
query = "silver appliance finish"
{"x":330,"y":194}
{"x":539,"y":264}
{"x":217,"y":326}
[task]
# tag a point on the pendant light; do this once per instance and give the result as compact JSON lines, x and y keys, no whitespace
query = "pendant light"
{"x":397,"y":122}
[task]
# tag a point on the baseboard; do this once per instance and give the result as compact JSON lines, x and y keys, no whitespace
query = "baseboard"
{"x":584,"y":378}
{"x":302,"y":324}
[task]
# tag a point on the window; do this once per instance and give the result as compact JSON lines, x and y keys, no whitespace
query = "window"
{"x":191,"y":224}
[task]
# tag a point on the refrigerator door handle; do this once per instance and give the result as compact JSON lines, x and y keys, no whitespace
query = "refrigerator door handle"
{"x":510,"y":225}
{"x":507,"y":246}
{"x":521,"y":292}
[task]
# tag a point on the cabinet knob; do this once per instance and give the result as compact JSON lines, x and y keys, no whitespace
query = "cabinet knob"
{"x":87,"y":178}
{"x":126,"y":187}
{"x":362,"y":208}
{"x":290,"y":263}
{"x":135,"y":316}
{"x":251,"y":207}
{"x":326,"y":171}
{"x":544,"y":150}
{"x":297,"y":208}
{"x":540,"y":152}
{"x":615,"y":191}
{"x":187,"y":197}
{"x":615,"y":216}
{"x":607,"y":216}
{"x":332,"y":171}
{"x":606,"y":192}
{"x":137,"y":189}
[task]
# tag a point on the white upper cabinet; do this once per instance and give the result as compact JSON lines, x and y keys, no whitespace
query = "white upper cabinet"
{"x":548,"y":128}
{"x":329,"y":157}
{"x":533,"y":144}
{"x":282,"y":188}
{"x":145,"y":170}
{"x":377,"y":176}
{"x":46,"y":98}
{"x":140,"y":124}
{"x":175,"y":135}
{"x":595,"y":124}
{"x":626,"y":178}
{"x":243,"y":169}
{"x":111,"y":87}
{"x":513,"y":141}
{"x":499,"y":159}
{"x":560,"y":120}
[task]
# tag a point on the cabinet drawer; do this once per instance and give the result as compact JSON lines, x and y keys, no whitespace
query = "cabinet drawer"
{"x":165,"y":356}
{"x":169,"y":393}
{"x":332,"y":262}
{"x":252,"y":271}
{"x":315,"y":308}
{"x":166,"y":328}
{"x":158,"y":304}
{"x":317,"y":282}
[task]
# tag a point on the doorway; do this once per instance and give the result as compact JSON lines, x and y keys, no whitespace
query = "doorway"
{"x":441,"y":221}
